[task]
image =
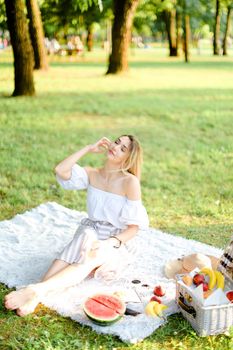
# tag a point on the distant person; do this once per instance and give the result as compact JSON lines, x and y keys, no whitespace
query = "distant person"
{"x":54,"y":46}
{"x":78,"y":43}
{"x":5,"y":42}
{"x":1,"y":44}
{"x":47,"y":44}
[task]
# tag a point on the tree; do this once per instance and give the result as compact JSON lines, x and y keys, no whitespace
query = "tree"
{"x":163,"y":16}
{"x":178,"y":29}
{"x":22,"y":48}
{"x":170,"y":23}
{"x":193,"y":11}
{"x":216,"y":46}
{"x":227,"y":30}
{"x":147,"y":18}
{"x":36,"y":34}
{"x":66,"y":17}
{"x":90,"y":37}
{"x":93,"y":15}
{"x":186,"y":32}
{"x":121,"y":34}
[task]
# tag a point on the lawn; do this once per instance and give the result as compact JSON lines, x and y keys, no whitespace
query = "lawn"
{"x":182,"y":114}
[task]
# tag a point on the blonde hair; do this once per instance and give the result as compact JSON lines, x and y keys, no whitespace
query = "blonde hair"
{"x":133,"y":163}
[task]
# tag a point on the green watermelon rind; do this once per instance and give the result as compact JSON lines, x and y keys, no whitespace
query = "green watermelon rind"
{"x":104,"y":322}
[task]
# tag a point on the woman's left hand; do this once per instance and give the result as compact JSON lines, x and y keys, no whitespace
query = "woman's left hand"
{"x":100,"y":146}
{"x":99,"y":245}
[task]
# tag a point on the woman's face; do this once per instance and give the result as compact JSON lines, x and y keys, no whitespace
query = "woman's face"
{"x":119,"y":150}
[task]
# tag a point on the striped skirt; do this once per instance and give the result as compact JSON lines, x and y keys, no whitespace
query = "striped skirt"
{"x":111,"y":261}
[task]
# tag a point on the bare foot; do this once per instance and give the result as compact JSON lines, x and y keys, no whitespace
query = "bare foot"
{"x":28,"y":308}
{"x":15,"y":300}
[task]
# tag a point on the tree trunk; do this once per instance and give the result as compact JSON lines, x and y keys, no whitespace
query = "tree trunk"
{"x":121,"y":32}
{"x":89,"y":38}
{"x":186,"y":36}
{"x":217,"y":29}
{"x":22,"y":48}
{"x":227,"y":31}
{"x":170,"y":23}
{"x":178,"y":31}
{"x":37,"y":34}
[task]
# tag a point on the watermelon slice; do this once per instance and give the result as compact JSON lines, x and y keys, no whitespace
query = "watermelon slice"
{"x":104,"y":309}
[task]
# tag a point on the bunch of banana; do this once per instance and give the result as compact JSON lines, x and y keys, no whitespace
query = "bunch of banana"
{"x":215,"y":277}
{"x":212,"y":277}
{"x":153,"y":308}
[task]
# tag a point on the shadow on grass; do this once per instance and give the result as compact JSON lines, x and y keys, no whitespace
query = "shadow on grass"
{"x":182,"y":65}
{"x":81,"y":64}
{"x":173,"y":64}
{"x":156,"y":102}
{"x":150,"y":64}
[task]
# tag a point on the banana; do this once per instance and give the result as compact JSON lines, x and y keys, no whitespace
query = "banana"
{"x":158,"y":308}
{"x":212,"y":277}
{"x":153,"y":308}
{"x":220,"y":279}
{"x":149,"y":309}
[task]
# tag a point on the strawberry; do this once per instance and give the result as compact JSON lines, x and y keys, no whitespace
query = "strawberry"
{"x":159,"y":291}
{"x":205,"y":286}
{"x":198,"y":279}
{"x":155,"y":298}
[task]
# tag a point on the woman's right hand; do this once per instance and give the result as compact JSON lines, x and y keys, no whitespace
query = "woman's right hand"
{"x":100,"y":146}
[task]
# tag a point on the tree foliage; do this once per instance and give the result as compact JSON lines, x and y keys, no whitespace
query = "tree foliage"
{"x":3,"y":19}
{"x":69,"y":15}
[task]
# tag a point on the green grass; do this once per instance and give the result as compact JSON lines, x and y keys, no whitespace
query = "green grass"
{"x":182,"y":114}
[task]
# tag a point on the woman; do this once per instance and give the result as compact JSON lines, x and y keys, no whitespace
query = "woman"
{"x":103,"y":243}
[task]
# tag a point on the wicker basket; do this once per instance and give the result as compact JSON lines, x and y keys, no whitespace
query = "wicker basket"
{"x":209,"y":320}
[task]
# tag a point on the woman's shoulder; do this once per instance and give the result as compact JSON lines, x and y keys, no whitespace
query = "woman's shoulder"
{"x":91,"y":171}
{"x":132,"y":187}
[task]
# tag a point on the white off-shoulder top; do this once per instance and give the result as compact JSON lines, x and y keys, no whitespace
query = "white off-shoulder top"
{"x":106,"y":206}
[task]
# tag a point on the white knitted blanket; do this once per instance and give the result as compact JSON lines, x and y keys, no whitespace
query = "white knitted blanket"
{"x":30,"y":241}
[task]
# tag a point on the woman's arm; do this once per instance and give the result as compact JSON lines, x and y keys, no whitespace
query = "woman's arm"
{"x":125,"y":235}
{"x":121,"y":238}
{"x":63,"y":169}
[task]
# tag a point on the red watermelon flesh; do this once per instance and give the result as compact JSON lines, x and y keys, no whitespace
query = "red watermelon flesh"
{"x":111,"y":302}
{"x":104,"y":309}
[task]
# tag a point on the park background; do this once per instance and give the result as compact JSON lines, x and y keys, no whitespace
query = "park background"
{"x":170,"y":84}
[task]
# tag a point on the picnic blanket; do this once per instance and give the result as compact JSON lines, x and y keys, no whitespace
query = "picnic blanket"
{"x":30,"y":241}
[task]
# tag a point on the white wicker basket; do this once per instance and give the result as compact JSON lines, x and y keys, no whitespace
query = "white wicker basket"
{"x":209,"y":320}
